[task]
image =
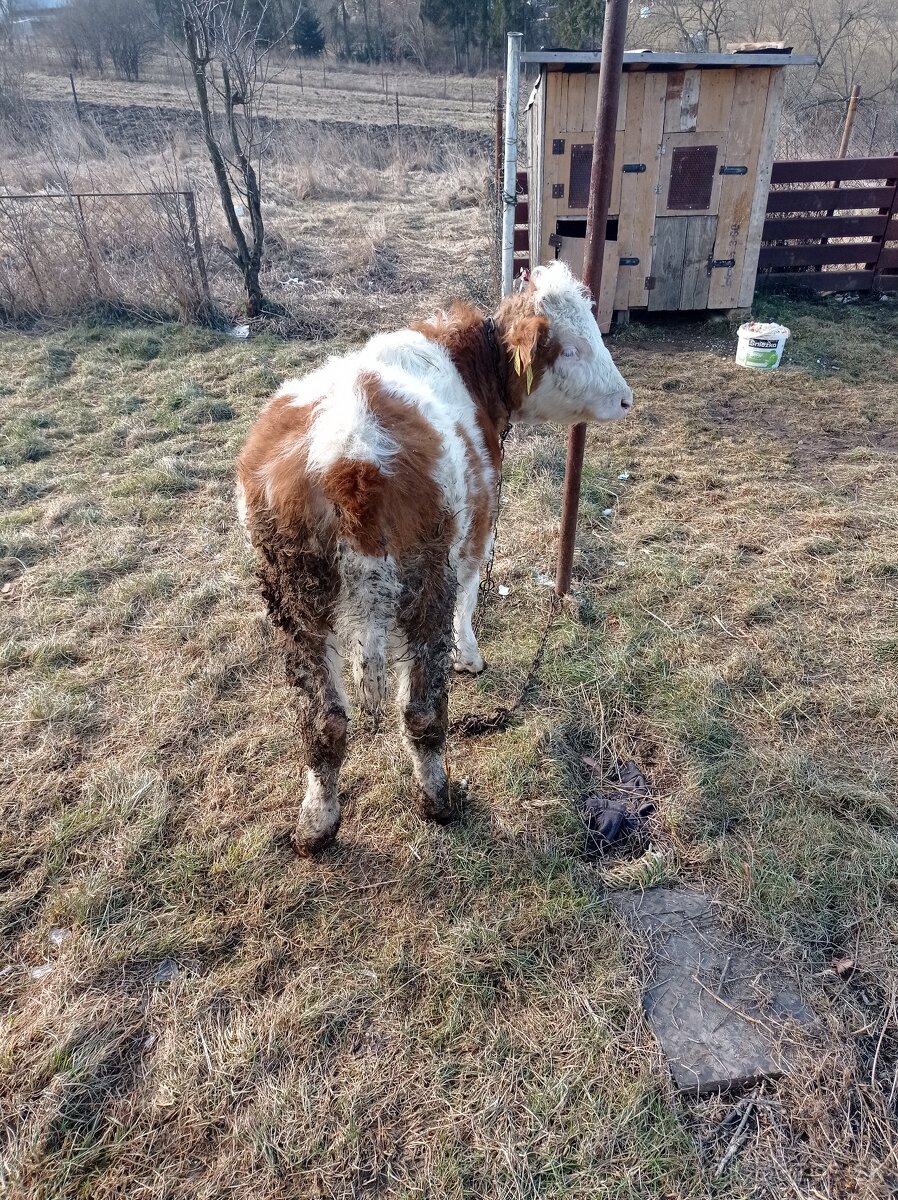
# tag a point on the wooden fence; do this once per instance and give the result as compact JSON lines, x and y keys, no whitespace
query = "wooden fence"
{"x":832,"y":226}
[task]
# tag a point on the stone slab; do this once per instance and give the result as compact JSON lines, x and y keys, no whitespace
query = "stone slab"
{"x":726,"y":1015}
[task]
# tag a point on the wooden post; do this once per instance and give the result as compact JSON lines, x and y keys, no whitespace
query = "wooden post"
{"x":398,"y":127}
{"x":843,"y":148}
{"x":600,"y":182}
{"x":75,"y":98}
{"x":194,"y":226}
{"x":472,"y":95}
{"x":849,"y":121}
{"x":301,"y":88}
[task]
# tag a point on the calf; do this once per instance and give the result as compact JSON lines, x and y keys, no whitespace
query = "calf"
{"x":368,"y":490}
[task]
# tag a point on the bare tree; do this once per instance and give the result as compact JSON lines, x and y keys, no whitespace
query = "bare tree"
{"x":230,"y":70}
{"x":128,"y":33}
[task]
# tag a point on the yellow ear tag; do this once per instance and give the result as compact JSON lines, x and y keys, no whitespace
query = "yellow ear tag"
{"x":517,"y":359}
{"x":529,"y":379}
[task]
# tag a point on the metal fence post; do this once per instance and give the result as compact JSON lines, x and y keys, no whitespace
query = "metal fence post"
{"x":509,"y":182}
{"x":600,"y":182}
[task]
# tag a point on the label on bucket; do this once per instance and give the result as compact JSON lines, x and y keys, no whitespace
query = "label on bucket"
{"x":763,"y":343}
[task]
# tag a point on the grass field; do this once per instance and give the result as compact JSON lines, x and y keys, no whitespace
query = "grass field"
{"x":191,"y":1011}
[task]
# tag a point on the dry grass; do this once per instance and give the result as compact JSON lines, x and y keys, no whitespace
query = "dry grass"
{"x":354,"y":223}
{"x":442,"y":1012}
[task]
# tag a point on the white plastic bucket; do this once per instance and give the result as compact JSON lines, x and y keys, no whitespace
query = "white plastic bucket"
{"x":761,"y":345}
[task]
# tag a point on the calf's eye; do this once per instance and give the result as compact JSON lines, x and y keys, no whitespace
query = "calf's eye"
{"x":570,"y":352}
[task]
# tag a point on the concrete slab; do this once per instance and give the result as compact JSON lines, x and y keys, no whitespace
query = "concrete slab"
{"x":725,"y":1014}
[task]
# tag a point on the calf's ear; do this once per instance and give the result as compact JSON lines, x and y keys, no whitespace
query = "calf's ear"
{"x":523,"y":341}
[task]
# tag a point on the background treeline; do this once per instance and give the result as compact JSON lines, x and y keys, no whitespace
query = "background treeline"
{"x":851,"y":40}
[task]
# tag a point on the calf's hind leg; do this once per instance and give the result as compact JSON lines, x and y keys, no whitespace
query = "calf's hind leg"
{"x":313,"y":669}
{"x":425,"y":618}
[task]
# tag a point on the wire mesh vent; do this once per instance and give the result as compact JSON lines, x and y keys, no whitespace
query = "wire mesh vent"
{"x":581,"y":169}
{"x":691,"y":178}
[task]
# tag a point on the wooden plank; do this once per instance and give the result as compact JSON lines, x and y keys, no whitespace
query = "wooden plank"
{"x":667,"y":263}
{"x":522,"y":183}
{"x":652,"y":132}
{"x":885,"y":283}
{"x":571,"y":252}
{"x":737,"y":191}
{"x":891,"y":233}
{"x":828,"y":170}
{"x":820,"y":281}
{"x":672,"y":101}
{"x":591,"y":100}
{"x":828,"y":199}
{"x":783,"y":229}
{"x":522,"y":239}
{"x":573,"y":115}
{"x":888,"y":258}
{"x":536,"y":162}
{"x":522,"y":213}
{"x":769,"y":133}
{"x":700,"y":235}
{"x":629,"y":191}
{"x":783,"y":257}
{"x":665,"y":58}
{"x":623,"y":103}
{"x":555,"y":167}
{"x":689,"y":101}
{"x":715,"y":101}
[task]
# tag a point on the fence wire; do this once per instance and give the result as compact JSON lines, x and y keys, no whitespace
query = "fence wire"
{"x":64,"y":252}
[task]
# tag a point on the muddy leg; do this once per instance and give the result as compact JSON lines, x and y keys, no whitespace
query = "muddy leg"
{"x":424,"y":617}
{"x":425,"y":718}
{"x":313,"y":670}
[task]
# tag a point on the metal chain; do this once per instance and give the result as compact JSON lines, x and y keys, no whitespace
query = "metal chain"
{"x":486,"y":583}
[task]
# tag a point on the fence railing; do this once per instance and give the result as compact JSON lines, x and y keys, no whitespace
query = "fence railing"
{"x":832,"y":226}
{"x":63,"y":250}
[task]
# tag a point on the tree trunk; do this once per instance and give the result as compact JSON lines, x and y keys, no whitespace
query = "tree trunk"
{"x":369,"y":55}
{"x":346,"y":41}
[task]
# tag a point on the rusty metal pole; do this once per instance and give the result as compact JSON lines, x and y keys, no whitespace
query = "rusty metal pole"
{"x":849,"y":120}
{"x":497,"y":184}
{"x":600,"y":182}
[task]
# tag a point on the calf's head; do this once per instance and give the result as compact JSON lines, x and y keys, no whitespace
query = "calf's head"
{"x":562,"y":370}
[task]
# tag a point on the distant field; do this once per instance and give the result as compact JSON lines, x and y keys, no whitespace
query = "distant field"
{"x":326,"y":92}
{"x":190,"y":1011}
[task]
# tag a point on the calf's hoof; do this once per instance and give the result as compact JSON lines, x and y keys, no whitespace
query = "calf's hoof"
{"x":307,"y":840}
{"x":438,"y":808}
{"x":471,"y":665}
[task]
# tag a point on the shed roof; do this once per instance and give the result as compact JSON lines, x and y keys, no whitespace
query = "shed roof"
{"x":644,"y":59}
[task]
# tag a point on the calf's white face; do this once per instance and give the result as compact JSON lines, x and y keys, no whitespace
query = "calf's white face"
{"x":582,"y":384}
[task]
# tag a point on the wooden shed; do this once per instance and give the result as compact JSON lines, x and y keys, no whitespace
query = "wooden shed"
{"x":695,"y":142}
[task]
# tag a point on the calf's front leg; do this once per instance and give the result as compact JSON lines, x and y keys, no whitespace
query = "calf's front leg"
{"x":467,"y":656}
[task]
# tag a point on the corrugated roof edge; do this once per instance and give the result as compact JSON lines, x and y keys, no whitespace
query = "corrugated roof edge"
{"x":649,"y":59}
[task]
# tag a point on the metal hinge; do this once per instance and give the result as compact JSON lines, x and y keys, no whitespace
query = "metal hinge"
{"x":634,"y":168}
{"x":733,"y":171}
{"x":555,"y":239}
{"x":557,"y":191}
{"x":649,"y":283}
{"x":558,"y":145}
{"x":723,"y":262}
{"x":628,"y":262}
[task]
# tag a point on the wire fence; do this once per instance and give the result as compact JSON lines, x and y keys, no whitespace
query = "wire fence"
{"x":67,"y":251}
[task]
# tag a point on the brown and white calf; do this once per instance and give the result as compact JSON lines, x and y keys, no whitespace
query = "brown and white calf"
{"x":368,"y":490}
